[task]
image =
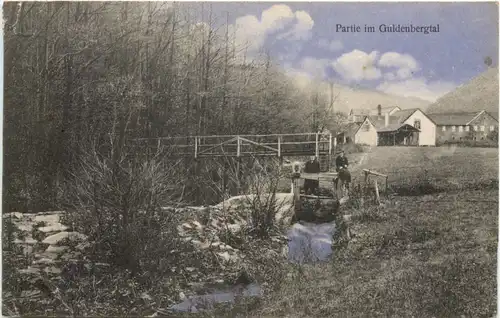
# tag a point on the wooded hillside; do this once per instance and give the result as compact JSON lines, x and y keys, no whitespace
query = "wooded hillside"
{"x":82,"y":76}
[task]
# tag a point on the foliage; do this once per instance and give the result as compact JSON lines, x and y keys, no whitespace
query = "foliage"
{"x":84,"y":73}
{"x":118,"y":204}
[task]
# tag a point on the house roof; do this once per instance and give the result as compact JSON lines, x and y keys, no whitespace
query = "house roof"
{"x":459,"y":119}
{"x":396,"y":127}
{"x":383,"y":110}
{"x":395,"y":119}
{"x":351,"y":129}
{"x":374,"y":111}
{"x":360,"y":112}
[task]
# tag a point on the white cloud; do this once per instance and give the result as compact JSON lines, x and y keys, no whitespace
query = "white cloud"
{"x":417,"y":87}
{"x":333,"y":46}
{"x":390,"y":76}
{"x":405,"y":64}
{"x":314,"y":67}
{"x":357,"y":66}
{"x":301,"y":29}
{"x":251,"y":32}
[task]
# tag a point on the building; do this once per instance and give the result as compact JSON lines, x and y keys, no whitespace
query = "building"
{"x":359,"y":132}
{"x":358,"y":115}
{"x":391,"y":126}
{"x":456,"y":127}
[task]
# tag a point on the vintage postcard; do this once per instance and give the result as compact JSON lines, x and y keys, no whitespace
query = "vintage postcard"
{"x":250,"y":159}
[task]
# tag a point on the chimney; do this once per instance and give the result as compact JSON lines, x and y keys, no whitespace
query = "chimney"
{"x":379,"y":110}
{"x":386,"y":119}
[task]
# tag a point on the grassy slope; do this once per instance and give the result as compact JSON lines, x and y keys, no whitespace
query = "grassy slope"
{"x":479,"y":93}
{"x":423,"y":256}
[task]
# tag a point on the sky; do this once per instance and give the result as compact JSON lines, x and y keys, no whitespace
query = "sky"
{"x":302,"y":37}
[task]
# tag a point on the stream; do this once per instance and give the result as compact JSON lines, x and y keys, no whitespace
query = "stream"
{"x":307,"y":242}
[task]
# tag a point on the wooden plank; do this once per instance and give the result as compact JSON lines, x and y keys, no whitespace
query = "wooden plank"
{"x":375,"y":173}
{"x":321,"y":175}
{"x":377,"y":196}
{"x":319,"y":197}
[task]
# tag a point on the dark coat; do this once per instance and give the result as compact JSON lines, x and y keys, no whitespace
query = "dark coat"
{"x":341,"y":161}
{"x":312,"y":167}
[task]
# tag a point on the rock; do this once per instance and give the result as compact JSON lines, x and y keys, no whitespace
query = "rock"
{"x":17,"y":215}
{"x":82,"y":246}
{"x":56,"y":249}
{"x":56,"y":238}
{"x":28,"y":240}
{"x":47,"y":218}
{"x":30,"y":270}
{"x":26,"y":227}
{"x":227,"y":257}
{"x":52,"y":270}
{"x":44,"y":261}
{"x":347,"y":217}
{"x":58,"y":227}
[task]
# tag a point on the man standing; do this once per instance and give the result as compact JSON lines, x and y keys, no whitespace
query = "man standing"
{"x":312,"y":166}
{"x":343,"y":173}
{"x":341,"y":162}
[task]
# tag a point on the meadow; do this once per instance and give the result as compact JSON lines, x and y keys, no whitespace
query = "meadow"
{"x":429,"y":250}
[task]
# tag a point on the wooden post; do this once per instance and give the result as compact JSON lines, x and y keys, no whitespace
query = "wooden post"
{"x":386,"y":186}
{"x":238,"y":183}
{"x":329,"y":152}
{"x":377,"y":196}
{"x":296,"y":190}
{"x":238,"y":149}
{"x":279,"y":146}
{"x":195,"y":147}
{"x":317,"y":145}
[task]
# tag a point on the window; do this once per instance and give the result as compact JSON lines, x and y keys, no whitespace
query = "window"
{"x":453,"y":128}
{"x":466,"y":128}
{"x":482,"y":128}
{"x":366,"y":127}
{"x":460,"y":128}
{"x":475,"y":128}
{"x":417,"y":123}
{"x":492,"y":128}
{"x":444,"y":128}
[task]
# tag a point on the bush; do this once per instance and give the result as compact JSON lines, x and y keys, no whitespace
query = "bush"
{"x":117,"y":203}
{"x":486,"y":143}
{"x":263,"y":203}
{"x":353,"y":148}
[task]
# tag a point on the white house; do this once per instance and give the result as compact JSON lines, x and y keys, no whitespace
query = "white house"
{"x":360,"y":133}
{"x":391,"y":126}
{"x":405,"y":127}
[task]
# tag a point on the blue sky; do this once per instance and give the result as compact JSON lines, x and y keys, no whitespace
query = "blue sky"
{"x":303,"y":39}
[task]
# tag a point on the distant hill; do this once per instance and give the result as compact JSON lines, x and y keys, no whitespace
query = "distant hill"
{"x":352,"y":98}
{"x":480,"y":93}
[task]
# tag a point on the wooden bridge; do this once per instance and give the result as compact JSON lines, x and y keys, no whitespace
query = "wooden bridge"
{"x":280,"y":145}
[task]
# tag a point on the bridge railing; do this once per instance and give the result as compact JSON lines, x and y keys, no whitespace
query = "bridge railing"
{"x":247,"y":145}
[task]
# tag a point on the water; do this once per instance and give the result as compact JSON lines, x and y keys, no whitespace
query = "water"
{"x":200,"y":302}
{"x":308,"y":242}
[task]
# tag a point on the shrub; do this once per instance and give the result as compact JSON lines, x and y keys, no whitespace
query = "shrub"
{"x":486,"y":143}
{"x":263,"y":203}
{"x":353,"y":148}
{"x":117,"y":203}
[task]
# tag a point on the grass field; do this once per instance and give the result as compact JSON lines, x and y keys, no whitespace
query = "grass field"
{"x":420,"y":255}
